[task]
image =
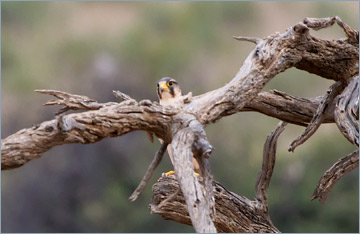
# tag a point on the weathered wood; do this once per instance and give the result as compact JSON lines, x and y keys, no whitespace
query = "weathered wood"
{"x":318,"y":117}
{"x":197,"y":197}
{"x":254,"y":40}
{"x":182,"y":125}
{"x":234,"y":213}
{"x":71,"y":101}
{"x":334,"y":60}
{"x":320,"y":23}
{"x":149,"y":172}
{"x":289,"y":108}
{"x":269,"y":157}
{"x":42,"y":137}
{"x":86,"y":127}
{"x":347,"y":112}
{"x":343,"y":166}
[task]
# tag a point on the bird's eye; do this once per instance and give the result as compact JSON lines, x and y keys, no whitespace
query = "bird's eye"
{"x":170,"y":83}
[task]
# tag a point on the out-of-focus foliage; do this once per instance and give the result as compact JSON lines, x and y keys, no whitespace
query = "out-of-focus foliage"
{"x":92,"y":48}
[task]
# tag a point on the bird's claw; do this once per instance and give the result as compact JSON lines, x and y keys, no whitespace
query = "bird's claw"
{"x":173,"y":172}
{"x":168,"y":173}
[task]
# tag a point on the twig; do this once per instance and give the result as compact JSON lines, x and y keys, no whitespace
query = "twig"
{"x":343,"y":166}
{"x":71,"y":101}
{"x":269,"y":157}
{"x":318,"y":117}
{"x":121,"y":96}
{"x":155,"y":162}
{"x":254,"y":40}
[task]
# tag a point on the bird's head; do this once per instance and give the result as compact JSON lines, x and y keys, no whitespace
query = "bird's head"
{"x":167,"y":90}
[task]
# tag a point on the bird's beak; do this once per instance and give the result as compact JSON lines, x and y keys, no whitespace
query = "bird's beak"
{"x":163,"y":87}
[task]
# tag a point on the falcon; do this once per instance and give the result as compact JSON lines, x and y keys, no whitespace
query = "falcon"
{"x":169,"y":94}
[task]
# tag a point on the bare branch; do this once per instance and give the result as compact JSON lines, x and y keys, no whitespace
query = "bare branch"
{"x":71,"y":101}
{"x":318,"y":117}
{"x":38,"y":140}
{"x":269,"y":157}
{"x":149,"y":172}
{"x":183,"y":125}
{"x":336,"y":60}
{"x":87,"y":127}
{"x":234,"y":213}
{"x":320,"y":23}
{"x":249,"y":39}
{"x":347,"y":112}
{"x":121,"y":96}
{"x":343,"y":166}
{"x":196,"y":196}
{"x":289,"y":108}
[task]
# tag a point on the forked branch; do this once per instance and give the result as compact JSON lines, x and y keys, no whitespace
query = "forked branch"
{"x":182,"y":126}
{"x":233,"y":213}
{"x":318,"y":117}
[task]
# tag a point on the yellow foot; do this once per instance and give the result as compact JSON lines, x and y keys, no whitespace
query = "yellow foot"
{"x":173,"y":172}
{"x":169,"y":173}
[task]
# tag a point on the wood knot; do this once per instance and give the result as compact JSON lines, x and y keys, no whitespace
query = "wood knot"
{"x":67,"y":123}
{"x":49,"y":129}
{"x":300,"y":28}
{"x":145,"y":102}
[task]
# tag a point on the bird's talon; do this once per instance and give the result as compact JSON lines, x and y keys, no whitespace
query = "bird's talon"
{"x":169,"y":173}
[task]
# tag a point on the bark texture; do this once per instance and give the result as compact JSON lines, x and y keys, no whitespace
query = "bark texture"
{"x":198,"y":200}
{"x":234,"y":213}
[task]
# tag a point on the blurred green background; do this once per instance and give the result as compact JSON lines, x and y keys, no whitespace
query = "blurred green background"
{"x":92,"y":48}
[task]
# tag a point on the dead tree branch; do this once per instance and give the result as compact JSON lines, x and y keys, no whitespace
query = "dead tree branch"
{"x":233,"y":213}
{"x":343,"y":166}
{"x":317,"y":24}
{"x":269,"y":157}
{"x":254,"y":40}
{"x":289,"y":108}
{"x":347,"y":112}
{"x":318,"y":117}
{"x":149,"y":172}
{"x":197,"y":196}
{"x":334,"y":60}
{"x":71,"y":101}
{"x":42,"y":137}
{"x":86,"y":127}
{"x":182,"y":126}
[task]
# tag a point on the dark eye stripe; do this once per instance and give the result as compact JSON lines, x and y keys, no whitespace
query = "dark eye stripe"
{"x":172,"y":91}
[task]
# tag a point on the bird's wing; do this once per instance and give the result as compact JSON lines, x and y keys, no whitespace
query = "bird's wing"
{"x":150,"y":136}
